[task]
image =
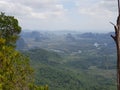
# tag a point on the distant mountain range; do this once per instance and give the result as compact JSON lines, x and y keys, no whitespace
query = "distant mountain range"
{"x":71,"y":60}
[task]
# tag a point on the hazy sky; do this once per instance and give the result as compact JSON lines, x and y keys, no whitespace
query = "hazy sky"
{"x":82,"y":15}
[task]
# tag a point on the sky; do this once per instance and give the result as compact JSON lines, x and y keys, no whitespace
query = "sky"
{"x":75,"y":15}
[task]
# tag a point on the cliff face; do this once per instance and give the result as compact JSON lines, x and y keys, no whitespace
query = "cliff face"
{"x":21,"y":44}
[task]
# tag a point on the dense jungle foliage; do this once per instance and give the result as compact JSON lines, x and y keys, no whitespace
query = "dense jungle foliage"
{"x":76,"y":61}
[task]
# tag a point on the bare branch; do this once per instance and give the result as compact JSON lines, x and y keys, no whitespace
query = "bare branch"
{"x":115,"y":28}
{"x":112,"y":24}
{"x":114,"y":37}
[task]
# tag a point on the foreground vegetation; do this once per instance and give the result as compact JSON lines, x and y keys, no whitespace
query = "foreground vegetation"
{"x":70,"y":75}
{"x":15,"y":70}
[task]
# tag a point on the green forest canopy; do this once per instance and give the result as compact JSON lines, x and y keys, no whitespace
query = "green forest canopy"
{"x":15,"y":70}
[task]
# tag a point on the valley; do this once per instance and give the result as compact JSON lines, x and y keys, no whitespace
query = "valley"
{"x":71,"y":60}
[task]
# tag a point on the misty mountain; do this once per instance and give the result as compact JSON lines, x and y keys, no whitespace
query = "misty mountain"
{"x":21,"y":44}
{"x":72,"y":60}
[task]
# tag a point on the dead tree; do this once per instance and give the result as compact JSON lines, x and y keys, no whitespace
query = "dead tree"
{"x":117,"y":41}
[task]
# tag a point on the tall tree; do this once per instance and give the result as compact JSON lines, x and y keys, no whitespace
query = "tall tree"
{"x":117,"y":41}
{"x":15,"y":70}
{"x":9,"y":29}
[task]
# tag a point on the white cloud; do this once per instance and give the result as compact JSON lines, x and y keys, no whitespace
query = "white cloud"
{"x":97,"y":13}
{"x":99,"y":9}
{"x":14,"y":9}
{"x":60,"y":14}
{"x":32,"y":8}
{"x":110,"y":5}
{"x":35,"y":14}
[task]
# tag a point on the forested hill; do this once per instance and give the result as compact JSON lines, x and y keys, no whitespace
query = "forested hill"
{"x":72,"y":60}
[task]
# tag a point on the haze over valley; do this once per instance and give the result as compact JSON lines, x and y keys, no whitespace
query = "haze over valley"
{"x":69,"y":60}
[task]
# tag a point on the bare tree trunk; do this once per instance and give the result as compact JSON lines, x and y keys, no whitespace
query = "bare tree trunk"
{"x":117,"y":41}
{"x":118,"y":61}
